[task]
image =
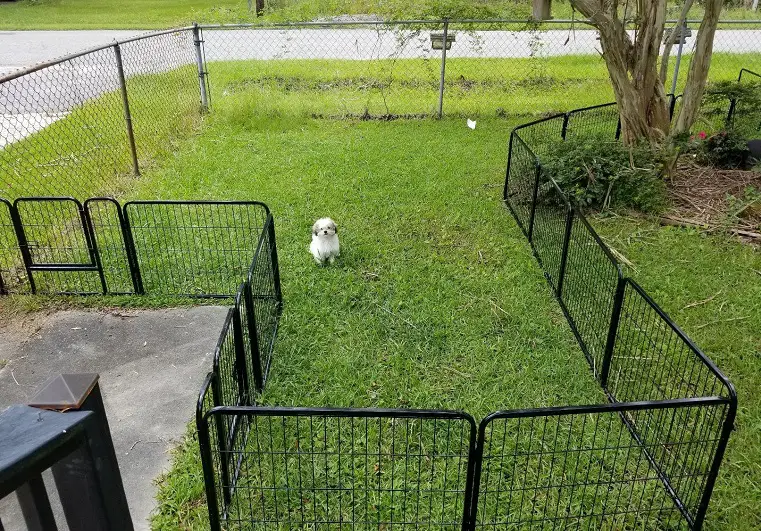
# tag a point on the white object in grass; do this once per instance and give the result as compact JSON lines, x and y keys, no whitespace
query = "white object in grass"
{"x":471,"y":123}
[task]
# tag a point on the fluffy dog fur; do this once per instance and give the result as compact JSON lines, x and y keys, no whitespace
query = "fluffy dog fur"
{"x":324,"y":246}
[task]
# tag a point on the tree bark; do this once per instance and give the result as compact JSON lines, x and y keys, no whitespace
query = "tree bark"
{"x":633,"y":66}
{"x":541,"y":9}
{"x":701,"y":62}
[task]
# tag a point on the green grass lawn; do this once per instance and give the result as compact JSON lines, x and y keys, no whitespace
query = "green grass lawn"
{"x":436,"y":301}
{"x":147,"y":14}
{"x":473,"y":87}
{"x":109,"y":14}
{"x":711,"y":287}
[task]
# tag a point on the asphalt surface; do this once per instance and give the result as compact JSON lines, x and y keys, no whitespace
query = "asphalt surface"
{"x":151,"y":366}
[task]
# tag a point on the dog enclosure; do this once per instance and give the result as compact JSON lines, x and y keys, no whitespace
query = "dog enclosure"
{"x":648,"y":458}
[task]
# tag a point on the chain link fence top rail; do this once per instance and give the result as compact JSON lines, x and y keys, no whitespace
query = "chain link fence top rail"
{"x":381,"y":69}
{"x":67,"y":126}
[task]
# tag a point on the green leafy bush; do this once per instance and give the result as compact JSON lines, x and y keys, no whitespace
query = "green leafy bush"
{"x":599,"y":173}
{"x":726,"y":149}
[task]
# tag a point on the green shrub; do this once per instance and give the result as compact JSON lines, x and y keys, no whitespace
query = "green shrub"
{"x":599,"y":173}
{"x":725,"y":149}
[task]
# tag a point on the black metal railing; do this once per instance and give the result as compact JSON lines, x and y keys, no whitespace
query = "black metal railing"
{"x":637,"y":353}
{"x":743,"y":117}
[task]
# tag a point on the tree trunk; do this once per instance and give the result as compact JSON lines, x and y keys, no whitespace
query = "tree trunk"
{"x":698,"y":73}
{"x":541,"y":9}
{"x":633,"y":67}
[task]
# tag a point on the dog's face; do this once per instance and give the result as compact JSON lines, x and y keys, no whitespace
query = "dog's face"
{"x":324,"y":227}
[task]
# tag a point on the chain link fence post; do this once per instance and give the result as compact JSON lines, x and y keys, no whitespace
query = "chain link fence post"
{"x":443,"y":66}
{"x":197,"y":42}
{"x":682,"y":32}
{"x":127,"y":114}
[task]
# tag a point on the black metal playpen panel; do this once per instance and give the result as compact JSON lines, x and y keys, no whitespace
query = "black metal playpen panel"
{"x":648,"y":459}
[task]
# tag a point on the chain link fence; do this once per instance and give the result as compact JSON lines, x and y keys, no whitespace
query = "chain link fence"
{"x":376,"y":69}
{"x":88,"y":123}
{"x":82,"y":125}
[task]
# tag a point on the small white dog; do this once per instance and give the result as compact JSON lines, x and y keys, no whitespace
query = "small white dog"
{"x":324,"y":246}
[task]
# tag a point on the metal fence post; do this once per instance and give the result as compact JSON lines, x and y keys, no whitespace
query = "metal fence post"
{"x":682,"y":31}
{"x":197,"y":41}
{"x":618,"y":302}
{"x":533,"y":203}
{"x":443,"y":66}
{"x":253,"y":338}
{"x":125,"y":102}
{"x":564,"y":254}
{"x":275,"y":267}
{"x":244,"y":395}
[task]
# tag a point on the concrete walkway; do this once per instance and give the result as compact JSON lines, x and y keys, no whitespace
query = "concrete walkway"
{"x":152,"y":365}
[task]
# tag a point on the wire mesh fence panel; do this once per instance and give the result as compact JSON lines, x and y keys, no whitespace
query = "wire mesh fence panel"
{"x":580,"y":467}
{"x":589,"y":288}
{"x":57,"y":242}
{"x":13,"y":276}
{"x":62,"y":129}
{"x":549,"y":230}
{"x":746,"y":116}
{"x":107,"y":222}
{"x":522,"y":68}
{"x":540,"y":136}
{"x":209,"y":437}
{"x":162,"y":84}
{"x":330,"y":70}
{"x":320,"y":468}
{"x":520,"y":182}
{"x":600,"y":121}
{"x":200,"y":248}
{"x":653,"y":360}
{"x":264,"y":298}
{"x":228,"y":375}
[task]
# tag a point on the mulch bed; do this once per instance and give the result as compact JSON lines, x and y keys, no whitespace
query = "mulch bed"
{"x":702,"y":196}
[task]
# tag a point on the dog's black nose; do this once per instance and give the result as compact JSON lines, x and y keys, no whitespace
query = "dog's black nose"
{"x":325,"y":232}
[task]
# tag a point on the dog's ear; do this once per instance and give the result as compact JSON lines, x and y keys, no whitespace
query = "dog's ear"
{"x":316,"y":228}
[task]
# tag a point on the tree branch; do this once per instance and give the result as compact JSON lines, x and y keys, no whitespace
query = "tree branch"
{"x":699,"y":66}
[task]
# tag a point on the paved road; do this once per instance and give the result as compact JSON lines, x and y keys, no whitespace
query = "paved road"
{"x":24,"y":48}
